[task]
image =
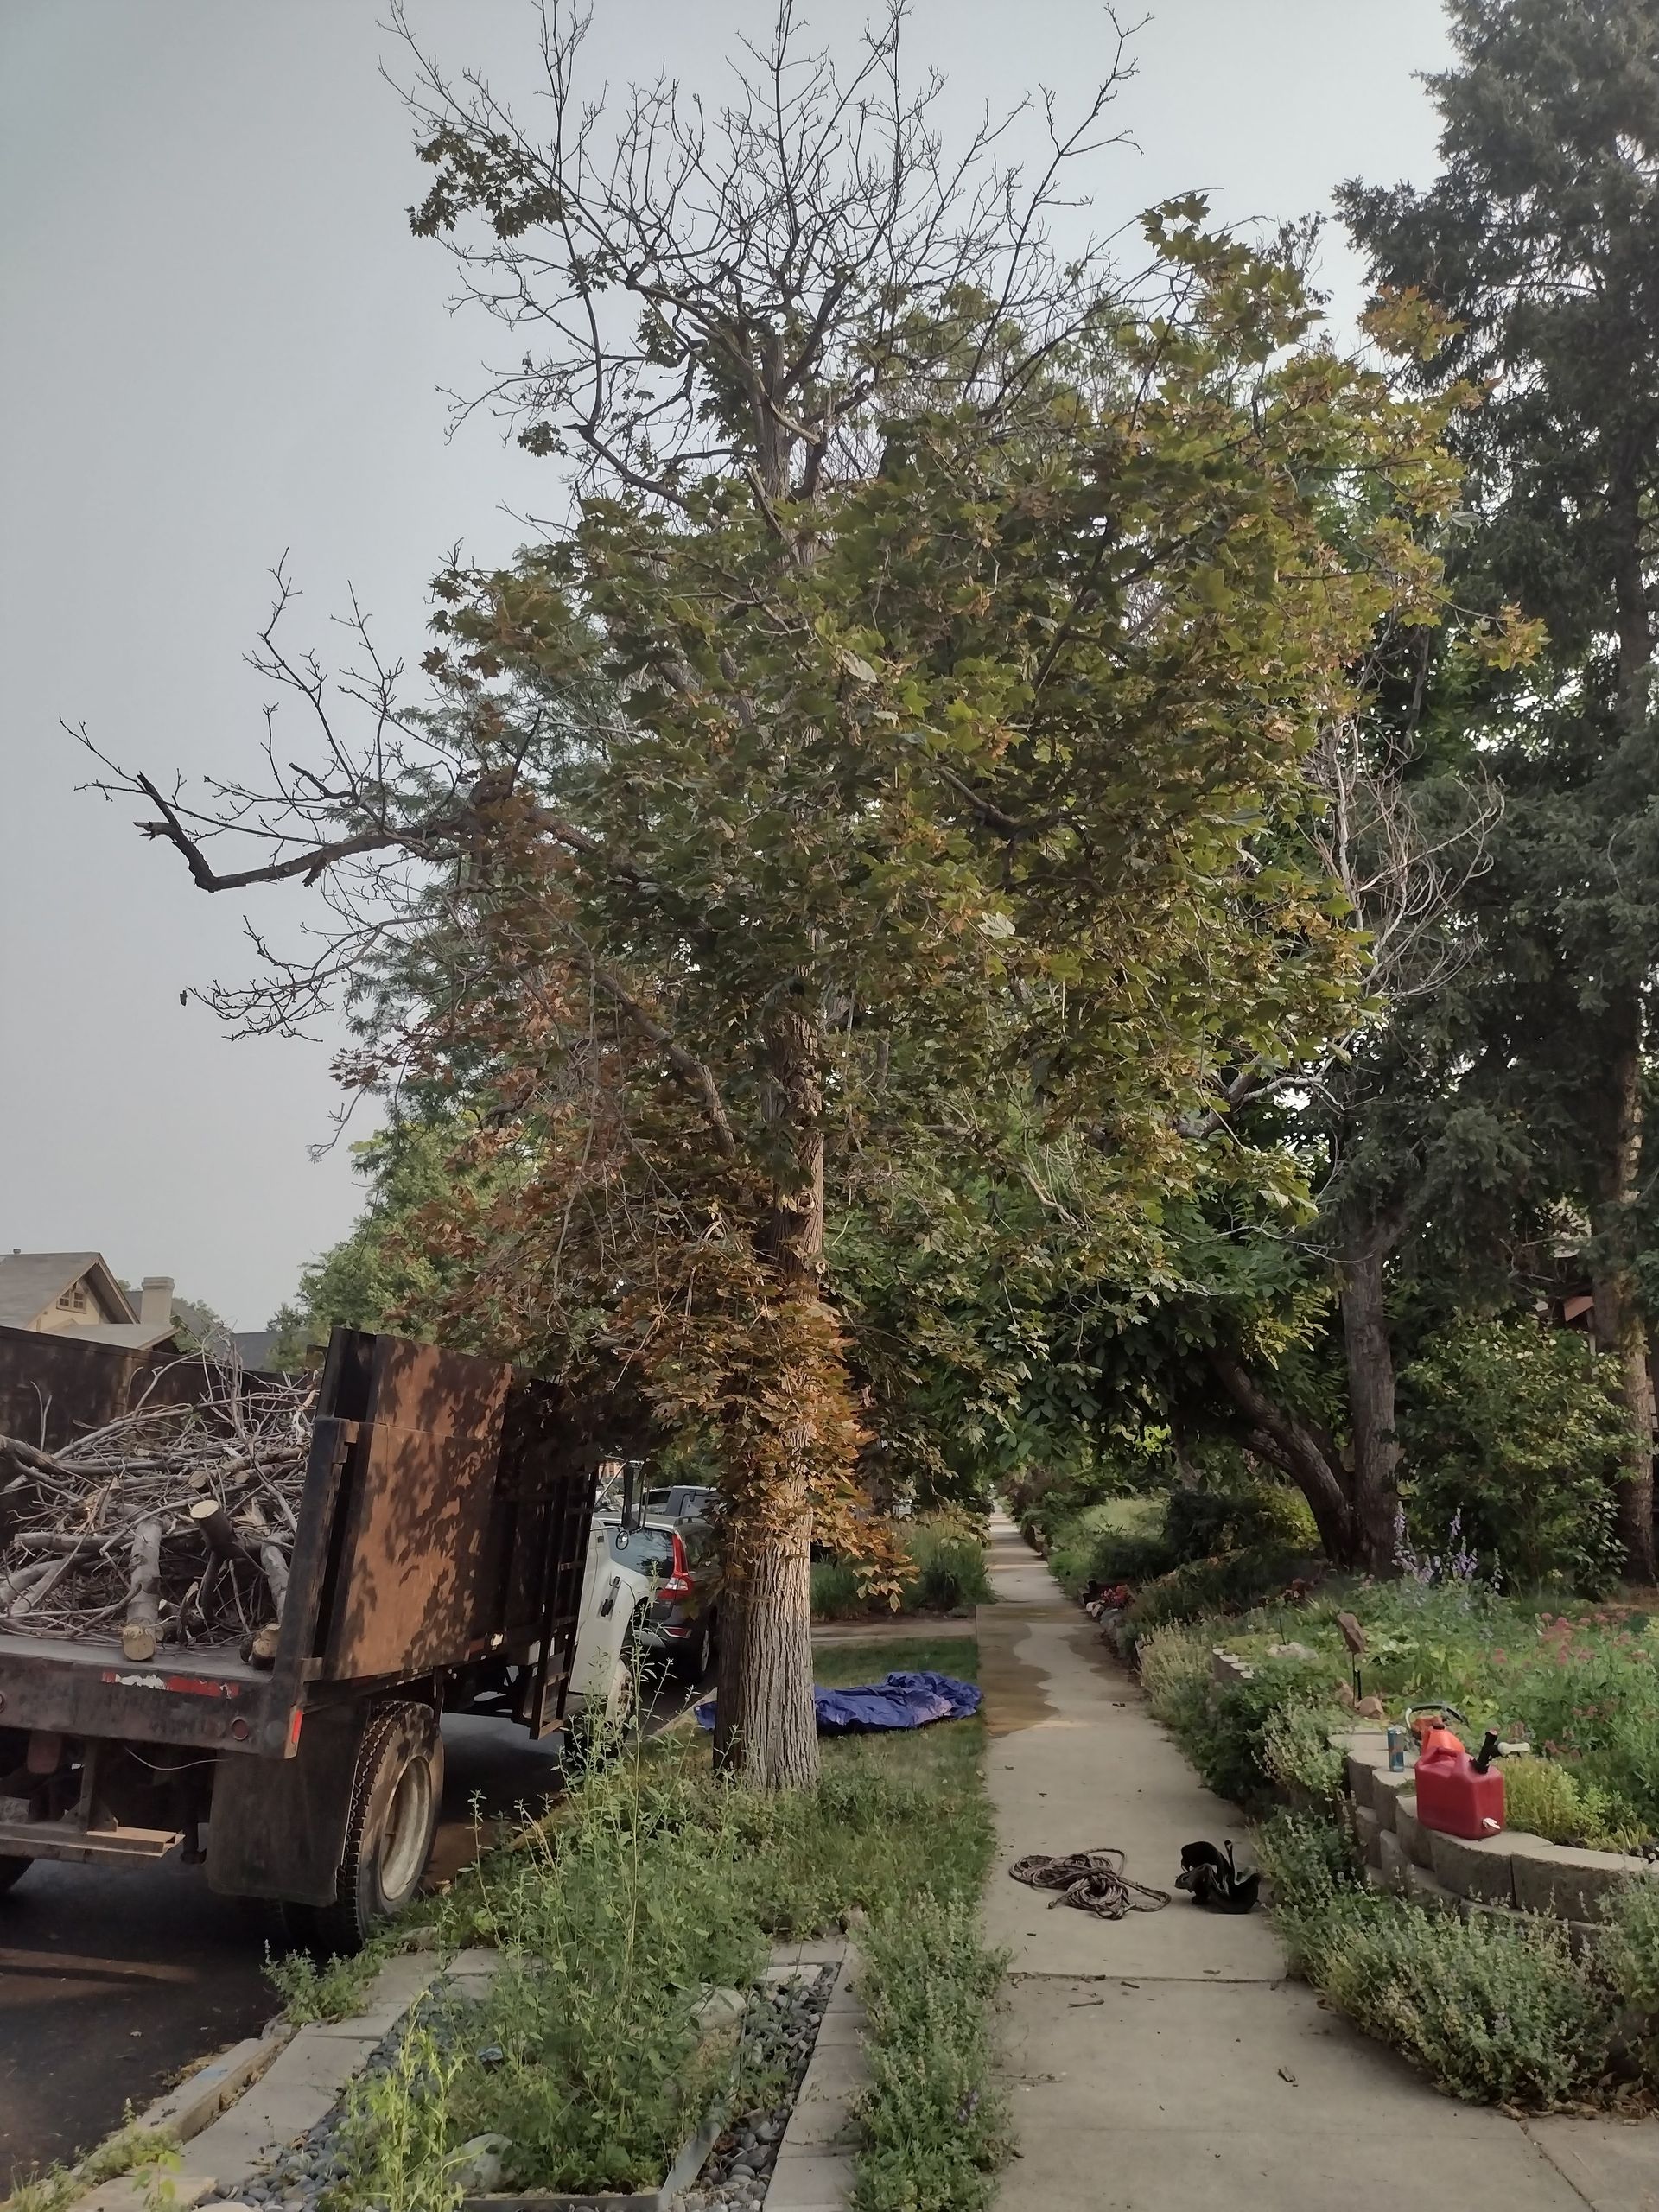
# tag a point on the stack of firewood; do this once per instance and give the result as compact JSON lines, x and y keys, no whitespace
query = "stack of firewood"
{"x":172,"y":1525}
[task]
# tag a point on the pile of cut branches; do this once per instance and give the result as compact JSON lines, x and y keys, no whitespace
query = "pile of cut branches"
{"x":173,"y":1523}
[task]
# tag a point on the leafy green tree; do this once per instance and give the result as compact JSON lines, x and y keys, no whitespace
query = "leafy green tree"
{"x":1516,"y":1434}
{"x":1540,"y":242}
{"x":914,"y":708}
{"x":379,"y":1276}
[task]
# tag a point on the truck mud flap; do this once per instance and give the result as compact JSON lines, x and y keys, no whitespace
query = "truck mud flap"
{"x":277,"y":1827}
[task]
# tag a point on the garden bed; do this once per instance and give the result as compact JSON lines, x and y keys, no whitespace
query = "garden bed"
{"x":760,"y":2042}
{"x":1513,"y":1970}
{"x":1581,"y":1685}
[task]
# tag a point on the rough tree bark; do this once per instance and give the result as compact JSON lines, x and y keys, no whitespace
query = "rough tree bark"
{"x":1294,"y":1447}
{"x":766,"y":1726}
{"x":1369,"y":1355}
{"x":1621,"y":1329}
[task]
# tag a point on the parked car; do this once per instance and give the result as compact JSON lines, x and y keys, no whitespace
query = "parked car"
{"x":683,"y":1624}
{"x":684,"y":1501}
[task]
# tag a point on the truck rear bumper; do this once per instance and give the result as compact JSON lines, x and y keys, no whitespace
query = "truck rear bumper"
{"x":66,"y":1838}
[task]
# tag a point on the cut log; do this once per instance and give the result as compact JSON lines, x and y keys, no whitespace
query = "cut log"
{"x":20,"y":1585}
{"x":260,"y":1649}
{"x":273,"y":1560}
{"x":214,"y":1522}
{"x":141,"y":1632}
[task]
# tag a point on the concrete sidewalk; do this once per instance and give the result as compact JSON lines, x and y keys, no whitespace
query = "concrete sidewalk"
{"x":1162,"y":2063}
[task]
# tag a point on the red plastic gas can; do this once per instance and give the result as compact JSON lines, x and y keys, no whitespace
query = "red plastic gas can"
{"x":1451,"y":1795}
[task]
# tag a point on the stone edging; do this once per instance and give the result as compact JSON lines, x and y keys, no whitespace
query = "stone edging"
{"x":226,"y":2128}
{"x":814,"y":2167}
{"x":1512,"y":1872}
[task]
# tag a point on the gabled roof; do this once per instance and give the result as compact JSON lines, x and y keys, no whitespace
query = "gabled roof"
{"x":135,"y":1336}
{"x":31,"y":1283}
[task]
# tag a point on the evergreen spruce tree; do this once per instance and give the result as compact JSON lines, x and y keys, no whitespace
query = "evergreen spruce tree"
{"x":1540,"y":242}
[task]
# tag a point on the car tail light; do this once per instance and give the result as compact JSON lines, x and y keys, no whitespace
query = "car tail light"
{"x":679,"y":1583}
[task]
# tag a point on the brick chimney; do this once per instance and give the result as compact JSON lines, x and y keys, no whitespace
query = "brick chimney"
{"x":156,"y":1302}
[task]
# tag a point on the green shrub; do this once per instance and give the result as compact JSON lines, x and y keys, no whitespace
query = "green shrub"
{"x":1310,"y":1866}
{"x":944,"y":1570}
{"x":1297,"y":1755}
{"x":1227,"y":1585}
{"x":1520,"y":1431}
{"x":838,"y":1590}
{"x":1546,"y":1799}
{"x":1227,"y":1738}
{"x":947,"y":1566}
{"x":1496,"y":2010}
{"x":1119,"y":1540}
{"x":1629,"y":1956}
{"x":1201,"y":1523}
{"x":935,"y":2129}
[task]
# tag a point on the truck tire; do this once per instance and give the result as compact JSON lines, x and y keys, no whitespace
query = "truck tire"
{"x":397,"y":1791}
{"x":12,"y":1871}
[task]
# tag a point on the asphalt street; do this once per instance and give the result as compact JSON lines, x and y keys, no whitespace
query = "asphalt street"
{"x":112,"y":1982}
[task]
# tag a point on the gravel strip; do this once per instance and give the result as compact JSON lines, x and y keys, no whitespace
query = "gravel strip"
{"x":779,"y":2031}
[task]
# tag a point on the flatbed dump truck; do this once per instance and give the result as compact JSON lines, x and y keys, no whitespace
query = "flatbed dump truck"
{"x":445,"y":1544}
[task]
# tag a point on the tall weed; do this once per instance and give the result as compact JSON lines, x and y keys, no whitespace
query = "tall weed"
{"x":936,"y":2132}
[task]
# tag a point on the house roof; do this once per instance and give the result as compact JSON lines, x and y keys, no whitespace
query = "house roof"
{"x":32,"y":1282}
{"x":137,"y":1336}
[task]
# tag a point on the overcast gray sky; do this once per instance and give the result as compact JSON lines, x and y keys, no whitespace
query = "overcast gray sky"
{"x":218,"y":341}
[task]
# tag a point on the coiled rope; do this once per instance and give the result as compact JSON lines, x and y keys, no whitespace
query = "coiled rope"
{"x":1093,"y":1881}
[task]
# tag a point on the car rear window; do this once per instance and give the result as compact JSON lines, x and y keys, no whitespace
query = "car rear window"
{"x":645,"y":1549}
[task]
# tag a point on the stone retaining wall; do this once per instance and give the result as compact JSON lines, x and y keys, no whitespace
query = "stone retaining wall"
{"x":1511,"y":1871}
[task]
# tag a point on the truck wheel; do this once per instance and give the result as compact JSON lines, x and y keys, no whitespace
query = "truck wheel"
{"x":12,"y":1871}
{"x":395,"y":1792}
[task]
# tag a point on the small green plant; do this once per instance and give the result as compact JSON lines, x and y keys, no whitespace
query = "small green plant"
{"x":936,"y":2132}
{"x":333,"y":1992}
{"x":1546,"y":1799}
{"x":397,"y":2125}
{"x":152,"y":2151}
{"x":1297,"y":1753}
{"x":1629,"y":1956}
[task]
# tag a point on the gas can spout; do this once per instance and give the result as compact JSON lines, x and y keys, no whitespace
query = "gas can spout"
{"x":1490,"y":1750}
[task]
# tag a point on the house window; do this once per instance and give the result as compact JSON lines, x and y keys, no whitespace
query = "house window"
{"x":74,"y":1300}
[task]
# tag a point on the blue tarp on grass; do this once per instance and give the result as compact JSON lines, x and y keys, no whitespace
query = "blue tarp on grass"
{"x":901,"y":1701}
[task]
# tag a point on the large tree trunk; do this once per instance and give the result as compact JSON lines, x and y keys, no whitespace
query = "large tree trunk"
{"x":1294,"y":1447}
{"x":766,"y":1731}
{"x":1620,"y":1329}
{"x":1370,"y":1354}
